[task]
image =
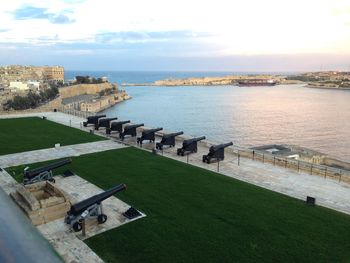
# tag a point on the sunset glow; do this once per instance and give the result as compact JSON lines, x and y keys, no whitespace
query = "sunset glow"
{"x":183,"y":29}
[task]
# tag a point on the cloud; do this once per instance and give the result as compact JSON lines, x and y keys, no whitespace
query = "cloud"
{"x":32,"y":12}
{"x":142,"y":36}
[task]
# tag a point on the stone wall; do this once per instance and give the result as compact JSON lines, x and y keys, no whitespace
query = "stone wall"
{"x":336,"y":163}
{"x":81,"y":89}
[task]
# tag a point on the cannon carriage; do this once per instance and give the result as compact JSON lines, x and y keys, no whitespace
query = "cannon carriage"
{"x":189,"y":146}
{"x":216,"y":152}
{"x":93,"y":120}
{"x":90,"y":208}
{"x":104,"y":122}
{"x":130,"y":130}
{"x":148,"y":135}
{"x":43,"y":173}
{"x":116,"y":126}
{"x":168,"y":140}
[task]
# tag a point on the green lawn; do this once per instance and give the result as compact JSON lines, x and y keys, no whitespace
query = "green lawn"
{"x":194,"y":215}
{"x":26,"y":134}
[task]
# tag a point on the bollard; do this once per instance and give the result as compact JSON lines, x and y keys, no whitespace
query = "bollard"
{"x":274,"y":160}
{"x":70,"y":123}
{"x":325,"y":172}
{"x":298,"y":166}
{"x":311,"y":170}
{"x":187,"y":158}
{"x":263,"y":158}
{"x":238,"y":159}
{"x":83,"y":228}
{"x":285,"y":163}
{"x":218,"y":166}
{"x":253,"y":155}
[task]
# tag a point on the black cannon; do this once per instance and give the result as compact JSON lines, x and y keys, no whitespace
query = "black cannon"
{"x":105,"y":122}
{"x":148,"y":135}
{"x":216,"y":152}
{"x":90,"y":208}
{"x":93,"y":120}
{"x":189,"y":146}
{"x":168,"y":139}
{"x":43,"y":173}
{"x":116,"y":126}
{"x":130,"y":130}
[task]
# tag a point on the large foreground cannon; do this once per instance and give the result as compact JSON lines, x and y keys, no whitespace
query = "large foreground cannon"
{"x":105,"y":122}
{"x":189,"y":146}
{"x":90,"y":208}
{"x":168,"y":139}
{"x":216,"y":152}
{"x":130,"y":130}
{"x":148,"y":135}
{"x":93,"y":120}
{"x":43,"y":173}
{"x":116,"y":126}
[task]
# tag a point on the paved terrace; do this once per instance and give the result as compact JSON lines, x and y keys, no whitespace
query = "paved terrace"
{"x":69,"y":244}
{"x":328,"y":192}
{"x":56,"y":153}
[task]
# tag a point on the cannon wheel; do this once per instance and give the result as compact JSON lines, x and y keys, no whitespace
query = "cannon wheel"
{"x":101,"y":218}
{"x":77,"y":227}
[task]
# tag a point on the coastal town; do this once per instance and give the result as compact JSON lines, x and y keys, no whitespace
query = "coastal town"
{"x":45,"y":87}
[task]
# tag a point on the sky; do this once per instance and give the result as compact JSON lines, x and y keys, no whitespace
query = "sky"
{"x":181,"y":35}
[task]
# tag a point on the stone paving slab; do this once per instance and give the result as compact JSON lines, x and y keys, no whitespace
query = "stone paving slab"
{"x":56,"y":153}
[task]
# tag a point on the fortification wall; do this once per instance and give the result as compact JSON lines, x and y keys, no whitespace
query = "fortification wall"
{"x":81,"y":89}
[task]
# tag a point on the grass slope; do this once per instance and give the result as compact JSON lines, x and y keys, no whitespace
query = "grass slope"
{"x":194,"y":215}
{"x":26,"y":134}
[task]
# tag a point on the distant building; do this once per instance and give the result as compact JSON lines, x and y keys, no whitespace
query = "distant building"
{"x":96,"y":105}
{"x":25,"y":73}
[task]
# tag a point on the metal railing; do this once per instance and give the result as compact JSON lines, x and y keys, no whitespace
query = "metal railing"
{"x":74,"y":112}
{"x":293,"y":164}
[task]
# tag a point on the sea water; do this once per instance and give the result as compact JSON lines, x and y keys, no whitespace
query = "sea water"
{"x":249,"y":116}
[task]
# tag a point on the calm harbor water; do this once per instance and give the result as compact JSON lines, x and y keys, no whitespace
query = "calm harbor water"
{"x":249,"y":116}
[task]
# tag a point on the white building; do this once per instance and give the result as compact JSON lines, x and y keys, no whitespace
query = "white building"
{"x":18,"y":86}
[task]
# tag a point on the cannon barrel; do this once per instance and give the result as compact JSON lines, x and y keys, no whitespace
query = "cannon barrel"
{"x":32,"y":173}
{"x":78,"y":208}
{"x":189,"y":141}
{"x":151,"y":130}
{"x":133,"y":126}
{"x":214,"y":148}
{"x":108,"y":119}
{"x":165,"y":136}
{"x":116,"y":123}
{"x":97,"y":116}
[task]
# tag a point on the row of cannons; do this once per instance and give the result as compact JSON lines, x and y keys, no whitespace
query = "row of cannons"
{"x":216,"y":152}
{"x":90,"y":208}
